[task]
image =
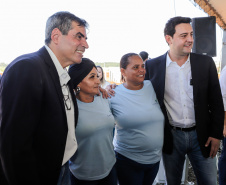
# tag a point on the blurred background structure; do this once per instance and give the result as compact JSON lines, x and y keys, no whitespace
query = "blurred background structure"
{"x":116,"y":27}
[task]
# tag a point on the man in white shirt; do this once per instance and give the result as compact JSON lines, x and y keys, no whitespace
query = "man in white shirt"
{"x":38,"y":112}
{"x":188,"y":91}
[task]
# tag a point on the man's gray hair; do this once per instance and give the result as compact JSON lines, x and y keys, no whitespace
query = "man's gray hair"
{"x":62,"y":21}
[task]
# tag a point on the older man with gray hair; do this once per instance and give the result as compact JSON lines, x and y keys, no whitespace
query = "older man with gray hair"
{"x":38,"y":112}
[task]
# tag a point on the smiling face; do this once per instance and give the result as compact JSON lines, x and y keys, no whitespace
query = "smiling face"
{"x":182,"y":41}
{"x":89,"y":86}
{"x":135,"y":72}
{"x":69,"y":48}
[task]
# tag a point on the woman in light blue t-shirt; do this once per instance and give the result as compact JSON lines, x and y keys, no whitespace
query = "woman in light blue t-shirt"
{"x":94,"y":160}
{"x":139,"y":125}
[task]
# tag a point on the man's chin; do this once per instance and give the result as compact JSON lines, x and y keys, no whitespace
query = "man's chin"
{"x":77,"y":61}
{"x":187,"y":52}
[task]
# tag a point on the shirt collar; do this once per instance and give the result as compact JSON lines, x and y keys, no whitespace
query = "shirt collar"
{"x":169,"y":61}
{"x":62,"y":72}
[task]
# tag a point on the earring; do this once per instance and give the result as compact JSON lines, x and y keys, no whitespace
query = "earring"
{"x":77,"y":89}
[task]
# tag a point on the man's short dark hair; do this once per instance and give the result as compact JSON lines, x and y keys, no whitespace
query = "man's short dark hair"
{"x":173,"y":22}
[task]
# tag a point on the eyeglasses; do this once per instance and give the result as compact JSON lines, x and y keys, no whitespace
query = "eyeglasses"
{"x":67,"y":100}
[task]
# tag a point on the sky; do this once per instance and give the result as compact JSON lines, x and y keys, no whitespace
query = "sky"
{"x":116,"y":27}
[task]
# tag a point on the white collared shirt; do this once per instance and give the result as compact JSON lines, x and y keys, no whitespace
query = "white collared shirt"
{"x":178,"y":96}
{"x":71,"y":143}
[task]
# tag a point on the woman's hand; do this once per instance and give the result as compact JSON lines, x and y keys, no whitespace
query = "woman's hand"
{"x":110,"y":88}
{"x":104,"y":93}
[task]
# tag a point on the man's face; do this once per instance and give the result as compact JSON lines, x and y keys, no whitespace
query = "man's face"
{"x":70,"y":47}
{"x":182,"y":41}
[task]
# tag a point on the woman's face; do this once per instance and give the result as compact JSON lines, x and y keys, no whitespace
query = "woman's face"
{"x":135,"y":71}
{"x":90,"y":84}
{"x":99,"y":72}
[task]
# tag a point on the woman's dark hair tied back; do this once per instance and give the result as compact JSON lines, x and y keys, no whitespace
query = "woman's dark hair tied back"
{"x":124,"y":62}
{"x":78,"y":72}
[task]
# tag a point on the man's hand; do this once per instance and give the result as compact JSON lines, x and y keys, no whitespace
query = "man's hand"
{"x":110,"y":88}
{"x":224,"y":132}
{"x":104,"y":93}
{"x":215,"y":144}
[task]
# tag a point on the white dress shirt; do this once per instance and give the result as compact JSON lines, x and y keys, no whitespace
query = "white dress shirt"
{"x":178,"y":96}
{"x":223,"y":85}
{"x":71,"y":143}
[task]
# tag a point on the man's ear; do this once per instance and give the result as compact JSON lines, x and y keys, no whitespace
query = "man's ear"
{"x":56,"y":33}
{"x":168,"y":39}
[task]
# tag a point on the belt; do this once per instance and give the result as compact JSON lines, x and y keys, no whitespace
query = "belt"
{"x":183,"y":129}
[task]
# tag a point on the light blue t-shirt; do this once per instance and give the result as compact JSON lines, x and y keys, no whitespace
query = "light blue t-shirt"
{"x":95,"y":156}
{"x":139,"y":124}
